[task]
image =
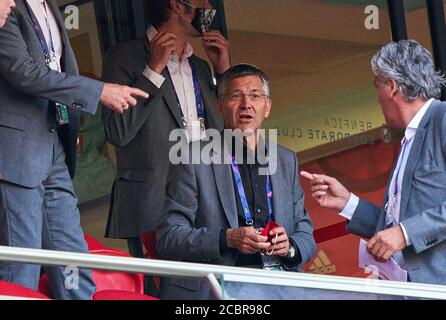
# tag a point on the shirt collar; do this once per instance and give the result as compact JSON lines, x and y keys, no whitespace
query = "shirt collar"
{"x":411,"y":129}
{"x":36,"y":2}
{"x":188,"y":51}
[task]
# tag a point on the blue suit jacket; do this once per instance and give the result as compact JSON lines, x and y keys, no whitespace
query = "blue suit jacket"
{"x":423,"y":202}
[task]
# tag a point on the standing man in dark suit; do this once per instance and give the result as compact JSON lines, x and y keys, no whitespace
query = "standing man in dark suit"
{"x":182,"y":95}
{"x":216,"y":213}
{"x":410,"y":226}
{"x":41,"y":94}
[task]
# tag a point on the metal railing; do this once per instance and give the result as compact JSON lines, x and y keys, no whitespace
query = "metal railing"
{"x":214,"y":272}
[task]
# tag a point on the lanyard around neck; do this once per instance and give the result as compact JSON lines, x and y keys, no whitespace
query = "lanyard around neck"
{"x":198,"y":97}
{"x":244,"y":201}
{"x":49,"y":56}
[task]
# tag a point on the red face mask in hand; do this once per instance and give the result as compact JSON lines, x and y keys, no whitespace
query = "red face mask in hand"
{"x":270,"y":226}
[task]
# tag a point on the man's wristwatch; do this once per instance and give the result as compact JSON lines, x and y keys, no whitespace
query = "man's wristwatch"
{"x":291,"y":252}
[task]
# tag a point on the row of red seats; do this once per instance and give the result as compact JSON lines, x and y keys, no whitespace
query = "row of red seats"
{"x":110,"y":285}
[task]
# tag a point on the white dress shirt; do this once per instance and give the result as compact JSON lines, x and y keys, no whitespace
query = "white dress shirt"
{"x":409,"y":136}
{"x":46,"y":18}
{"x":181,"y":74}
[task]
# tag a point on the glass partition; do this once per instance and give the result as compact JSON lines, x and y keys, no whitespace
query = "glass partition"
{"x":249,"y":291}
{"x":294,"y":286}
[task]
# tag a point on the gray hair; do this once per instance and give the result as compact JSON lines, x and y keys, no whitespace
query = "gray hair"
{"x":242,"y":70}
{"x":411,"y":66}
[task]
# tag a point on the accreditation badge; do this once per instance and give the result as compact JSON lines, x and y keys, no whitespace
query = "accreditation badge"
{"x":62,"y":114}
{"x":195,"y":130}
{"x":271,"y":262}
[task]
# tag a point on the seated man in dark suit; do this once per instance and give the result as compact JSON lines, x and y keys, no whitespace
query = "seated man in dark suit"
{"x":215,"y":213}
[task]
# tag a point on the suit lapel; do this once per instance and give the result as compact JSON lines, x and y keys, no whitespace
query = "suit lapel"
{"x":25,"y":9}
{"x":170,"y":99}
{"x":226,"y":192}
{"x":225,"y":184}
{"x":412,"y":160}
{"x":410,"y":166}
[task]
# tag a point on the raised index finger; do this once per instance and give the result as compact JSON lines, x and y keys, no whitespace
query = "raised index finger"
{"x":323,"y":179}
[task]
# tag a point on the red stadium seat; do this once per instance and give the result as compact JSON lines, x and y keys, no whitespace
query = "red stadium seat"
{"x":15,"y":290}
{"x":112,"y":280}
{"x":120,"y":295}
{"x":107,"y":280}
{"x":93,"y":244}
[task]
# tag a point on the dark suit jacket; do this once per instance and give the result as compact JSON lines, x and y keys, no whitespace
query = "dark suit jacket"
{"x":423,"y":202}
{"x":27,"y":120}
{"x":141,"y":138}
{"x":201,"y":201}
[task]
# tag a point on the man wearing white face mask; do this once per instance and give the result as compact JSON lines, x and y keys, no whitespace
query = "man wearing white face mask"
{"x":183,"y":95}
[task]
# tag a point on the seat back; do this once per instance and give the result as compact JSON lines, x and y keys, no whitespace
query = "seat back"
{"x":113,"y":280}
{"x":106,"y":280}
{"x":93,"y":244}
{"x":15,"y":290}
{"x":121,"y":295}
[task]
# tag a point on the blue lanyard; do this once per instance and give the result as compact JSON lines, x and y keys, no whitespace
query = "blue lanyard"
{"x":405,"y":142}
{"x":198,"y":98}
{"x":242,"y":194}
{"x":38,"y":29}
{"x":62,"y":116}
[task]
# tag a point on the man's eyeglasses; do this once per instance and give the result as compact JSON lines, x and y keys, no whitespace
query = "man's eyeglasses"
{"x":238,"y":96}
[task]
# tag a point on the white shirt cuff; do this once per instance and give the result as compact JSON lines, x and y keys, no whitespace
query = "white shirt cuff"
{"x":406,"y":236}
{"x":350,"y":207}
{"x":156,"y":78}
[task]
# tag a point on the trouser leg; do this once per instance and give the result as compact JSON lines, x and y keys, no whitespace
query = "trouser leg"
{"x":62,"y":232}
{"x":136,"y":250}
{"x":21,"y":211}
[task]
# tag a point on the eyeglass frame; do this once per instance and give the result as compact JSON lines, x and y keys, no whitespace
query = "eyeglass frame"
{"x":242,"y":95}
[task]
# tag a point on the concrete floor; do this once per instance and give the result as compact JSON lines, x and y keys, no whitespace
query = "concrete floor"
{"x":94,"y":221}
